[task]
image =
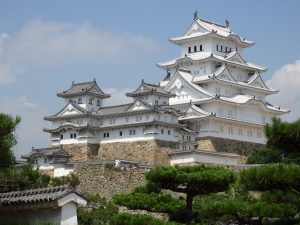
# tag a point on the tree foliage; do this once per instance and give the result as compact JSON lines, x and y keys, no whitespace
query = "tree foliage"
{"x":190,"y":180}
{"x":283,"y":143}
{"x":98,"y":211}
{"x":7,"y":140}
{"x":129,"y":219}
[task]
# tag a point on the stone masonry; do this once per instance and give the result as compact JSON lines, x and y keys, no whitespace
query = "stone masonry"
{"x":151,"y":152}
{"x":98,"y":177}
{"x":227,"y":145}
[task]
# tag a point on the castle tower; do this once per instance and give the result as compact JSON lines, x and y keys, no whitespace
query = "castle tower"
{"x":75,"y":126}
{"x":228,"y":93}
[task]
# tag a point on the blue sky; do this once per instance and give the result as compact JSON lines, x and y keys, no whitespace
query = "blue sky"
{"x":45,"y":45}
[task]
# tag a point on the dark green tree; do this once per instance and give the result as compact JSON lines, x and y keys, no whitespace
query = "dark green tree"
{"x":268,"y":194}
{"x":283,"y":143}
{"x":7,"y":140}
{"x":189,"y":180}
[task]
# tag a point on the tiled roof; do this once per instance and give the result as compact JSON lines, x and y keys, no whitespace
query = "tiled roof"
{"x":83,"y":88}
{"x":34,"y":196}
{"x":146,"y":89}
{"x":57,"y":152}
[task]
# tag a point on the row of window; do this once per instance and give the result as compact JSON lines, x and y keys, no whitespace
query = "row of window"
{"x":240,"y":132}
{"x":196,"y":48}
{"x":162,"y":131}
{"x":224,"y":49}
{"x":72,"y":136}
{"x":90,"y":101}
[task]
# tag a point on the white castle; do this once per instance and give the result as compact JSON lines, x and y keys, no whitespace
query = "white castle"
{"x":209,"y":108}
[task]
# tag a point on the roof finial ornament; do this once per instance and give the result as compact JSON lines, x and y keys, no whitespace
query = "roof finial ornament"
{"x":227,"y":23}
{"x":196,"y":15}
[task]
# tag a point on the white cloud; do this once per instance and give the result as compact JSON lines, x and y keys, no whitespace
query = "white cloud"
{"x":29,"y":132}
{"x":44,"y":44}
{"x":287,"y":80}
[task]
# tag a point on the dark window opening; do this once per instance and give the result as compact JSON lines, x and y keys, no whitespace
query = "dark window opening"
{"x":98,"y":102}
{"x":79,"y":101}
{"x":195,"y":48}
{"x":90,"y":101}
{"x":190,"y":50}
{"x":217,"y":47}
{"x":61,"y":136}
{"x":121,"y":133}
{"x":201,"y":48}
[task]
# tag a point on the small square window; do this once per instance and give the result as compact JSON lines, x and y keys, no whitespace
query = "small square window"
{"x":162,"y":131}
{"x":121,"y":133}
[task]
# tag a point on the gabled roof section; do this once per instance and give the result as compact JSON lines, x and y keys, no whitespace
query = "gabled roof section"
{"x":87,"y":88}
{"x":187,"y":79}
{"x":201,"y":27}
{"x":235,"y":56}
{"x":200,"y":56}
{"x":149,"y":89}
{"x":57,"y":152}
{"x":257,"y":81}
{"x":70,"y":109}
{"x":139,"y":104}
{"x":194,"y":112}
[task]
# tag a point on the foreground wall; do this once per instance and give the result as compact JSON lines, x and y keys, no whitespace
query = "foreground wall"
{"x":97,"y":177}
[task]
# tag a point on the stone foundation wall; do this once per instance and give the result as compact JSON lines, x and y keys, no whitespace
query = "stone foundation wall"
{"x":151,"y":152}
{"x":97,"y":177}
{"x":82,"y":151}
{"x":227,"y":145}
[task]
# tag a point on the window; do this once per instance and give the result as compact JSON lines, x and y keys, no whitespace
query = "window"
{"x":217,"y":47}
{"x":98,"y":102}
{"x":201,"y":48}
{"x":79,"y":101}
{"x":106,"y":135}
{"x":112,"y":121}
{"x":221,"y":129}
{"x":91,"y":101}
{"x":230,"y":130}
{"x":182,"y":137}
{"x":162,"y":131}
{"x":249,"y":133}
{"x":195,"y":48}
{"x":121,"y":133}
{"x":147,"y":117}
{"x":190,"y":50}
{"x":74,"y":135}
{"x":259,"y":134}
{"x":169,"y":132}
{"x":132,"y":132}
{"x":138,"y":118}
{"x":156,"y":102}
{"x":127,"y":119}
{"x":218,"y":90}
{"x":240,"y":132}
{"x":221,"y":48}
{"x":226,"y":50}
{"x":61,"y":136}
{"x":198,"y":127}
{"x":45,"y":160}
{"x":71,"y":135}
{"x":164,"y":103}
{"x":230,"y":113}
{"x":221,"y":111}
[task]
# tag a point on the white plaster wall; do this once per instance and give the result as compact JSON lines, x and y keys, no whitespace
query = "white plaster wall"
{"x":233,"y":130}
{"x":69,"y":214}
{"x":62,"y":170}
{"x":203,"y":158}
{"x":33,"y":216}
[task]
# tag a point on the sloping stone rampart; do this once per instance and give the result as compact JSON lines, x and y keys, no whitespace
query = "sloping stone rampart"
{"x":151,"y":152}
{"x":98,"y":177}
{"x":82,"y":151}
{"x":227,"y":145}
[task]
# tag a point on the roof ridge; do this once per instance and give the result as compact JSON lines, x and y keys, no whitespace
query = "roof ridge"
{"x":218,"y":24}
{"x":114,"y":106}
{"x":88,"y":82}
